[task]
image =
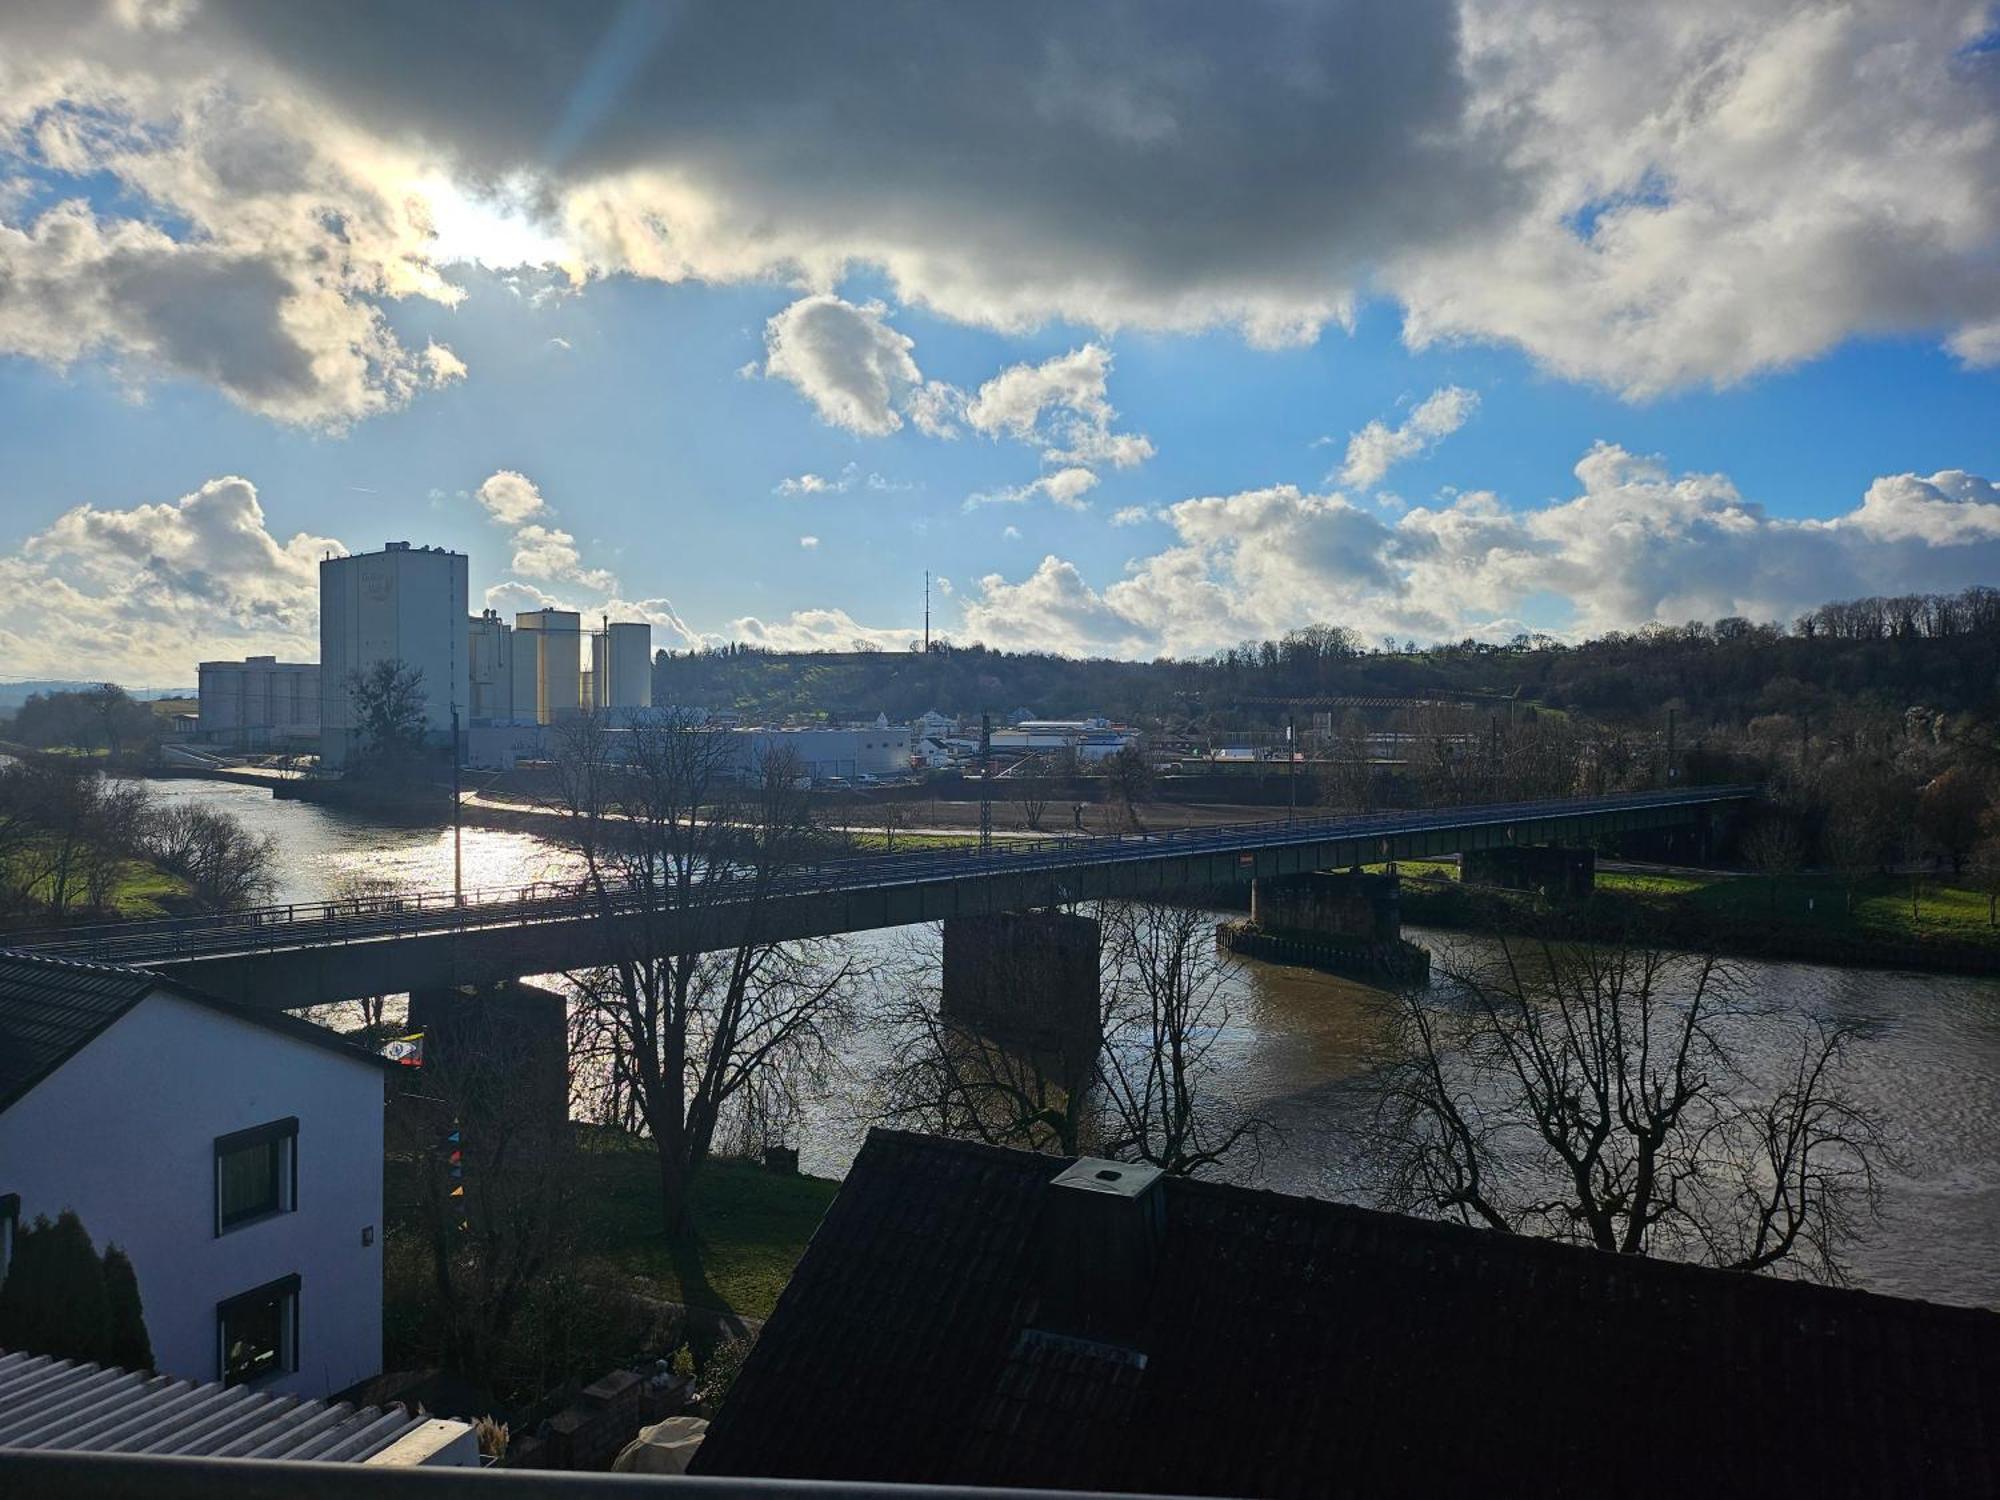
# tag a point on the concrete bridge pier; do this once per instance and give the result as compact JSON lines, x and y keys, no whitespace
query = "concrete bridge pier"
{"x":1349,"y":906}
{"x":1553,"y":873}
{"x":507,"y":1043}
{"x":1026,"y":979}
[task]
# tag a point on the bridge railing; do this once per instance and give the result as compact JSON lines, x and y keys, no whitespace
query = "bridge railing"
{"x":357,"y":917}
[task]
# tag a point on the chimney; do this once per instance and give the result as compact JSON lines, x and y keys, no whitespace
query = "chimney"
{"x":1102,"y":1229}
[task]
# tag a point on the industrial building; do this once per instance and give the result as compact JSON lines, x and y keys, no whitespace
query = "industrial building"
{"x":548,"y":665}
{"x":403,"y":604}
{"x":258,"y":702}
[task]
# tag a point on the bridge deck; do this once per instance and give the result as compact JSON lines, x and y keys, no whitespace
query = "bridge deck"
{"x":307,"y":953}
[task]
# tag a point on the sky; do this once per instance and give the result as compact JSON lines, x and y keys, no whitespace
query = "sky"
{"x":1144,"y":328}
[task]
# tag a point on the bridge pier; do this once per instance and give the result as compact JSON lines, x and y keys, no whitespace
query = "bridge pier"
{"x":506,"y":1042}
{"x":1026,"y":978}
{"x":1347,"y":923}
{"x":1555,"y":874}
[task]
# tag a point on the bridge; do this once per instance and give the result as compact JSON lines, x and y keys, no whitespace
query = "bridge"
{"x":313,"y":953}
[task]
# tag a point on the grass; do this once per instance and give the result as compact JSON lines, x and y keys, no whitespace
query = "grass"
{"x":750,"y":1226}
{"x":1799,"y":904}
{"x":142,"y":891}
{"x":910,"y":840}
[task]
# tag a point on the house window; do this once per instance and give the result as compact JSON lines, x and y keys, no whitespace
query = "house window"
{"x":10,"y":1216}
{"x":257,"y":1334}
{"x":256,"y":1174}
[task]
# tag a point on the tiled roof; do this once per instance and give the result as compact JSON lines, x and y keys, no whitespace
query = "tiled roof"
{"x":62,"y":1405}
{"x":1288,"y":1346}
{"x":51,"y":1007}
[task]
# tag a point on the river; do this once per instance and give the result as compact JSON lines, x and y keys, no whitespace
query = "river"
{"x":1299,"y":1049}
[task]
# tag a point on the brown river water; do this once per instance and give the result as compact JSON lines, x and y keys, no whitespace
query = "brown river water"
{"x":1300,"y":1049}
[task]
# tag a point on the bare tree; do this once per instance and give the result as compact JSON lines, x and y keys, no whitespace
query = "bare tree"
{"x":1773,"y":849}
{"x":1167,"y":1007}
{"x":1031,"y":795}
{"x":492,"y":1170}
{"x":1130,"y":776}
{"x":945,"y":1076}
{"x":892,"y":816}
{"x":225,"y":865}
{"x":1604,"y":1096}
{"x":683,"y":853}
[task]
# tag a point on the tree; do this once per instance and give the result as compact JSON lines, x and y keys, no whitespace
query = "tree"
{"x":1031,"y":794}
{"x":1168,"y":1007}
{"x":677,"y":845}
{"x":495,"y":1172}
{"x":1605,"y":1096}
{"x":1772,"y":847}
{"x":225,"y":865}
{"x":946,"y":1077}
{"x":55,"y":1300}
{"x":1949,"y":813}
{"x":130,"y":1347}
{"x":391,"y":717}
{"x":1130,"y":776}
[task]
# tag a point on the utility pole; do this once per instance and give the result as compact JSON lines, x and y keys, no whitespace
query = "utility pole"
{"x":986,"y":783}
{"x":1670,"y":744}
{"x":1291,"y":768}
{"x":457,"y":830}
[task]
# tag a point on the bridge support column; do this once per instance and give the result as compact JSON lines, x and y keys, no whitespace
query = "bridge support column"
{"x":1350,"y":906}
{"x":508,"y":1042}
{"x":1026,"y":978}
{"x":1345,"y":923}
{"x":1552,"y":873}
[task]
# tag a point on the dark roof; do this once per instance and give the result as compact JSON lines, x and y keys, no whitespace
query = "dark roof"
{"x":51,"y":1007}
{"x":1289,"y":1346}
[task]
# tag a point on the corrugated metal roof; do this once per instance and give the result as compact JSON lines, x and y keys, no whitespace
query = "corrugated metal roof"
{"x":63,"y":1405}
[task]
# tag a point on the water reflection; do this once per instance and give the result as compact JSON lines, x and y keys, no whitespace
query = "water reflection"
{"x":1301,"y":1046}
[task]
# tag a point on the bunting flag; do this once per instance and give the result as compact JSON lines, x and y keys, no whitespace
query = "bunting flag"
{"x":407,"y":1050}
{"x":458,"y":1192}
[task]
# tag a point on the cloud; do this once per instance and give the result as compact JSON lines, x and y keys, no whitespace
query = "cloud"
{"x":141,"y":594}
{"x":1066,"y":487}
{"x":1377,"y":448}
{"x":1644,"y":197}
{"x":514,"y":597}
{"x":845,"y":359}
{"x":849,"y":477}
{"x":1131,"y":515}
{"x":1010,"y":533}
{"x":1636,"y":543}
{"x":809,"y":542}
{"x":510,"y":497}
{"x":543,"y":552}
{"x":819,"y":630}
{"x":1062,"y":405}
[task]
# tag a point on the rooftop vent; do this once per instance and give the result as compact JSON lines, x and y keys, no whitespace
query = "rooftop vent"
{"x":1103,"y":1225}
{"x":395,"y":546}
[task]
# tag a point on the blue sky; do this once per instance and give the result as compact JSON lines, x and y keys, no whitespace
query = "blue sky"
{"x":1677,"y":399}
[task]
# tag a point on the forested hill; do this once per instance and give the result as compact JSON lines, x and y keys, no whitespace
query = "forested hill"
{"x":1871,"y":656}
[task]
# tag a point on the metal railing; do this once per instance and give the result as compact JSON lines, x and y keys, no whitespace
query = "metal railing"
{"x":126,"y":1476}
{"x":361,"y":918}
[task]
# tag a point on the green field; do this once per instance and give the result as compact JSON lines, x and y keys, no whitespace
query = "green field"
{"x":1876,"y":909}
{"x":140,"y":891}
{"x":750,"y":1226}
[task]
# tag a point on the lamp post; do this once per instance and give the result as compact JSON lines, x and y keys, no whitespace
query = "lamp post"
{"x":457,"y":831}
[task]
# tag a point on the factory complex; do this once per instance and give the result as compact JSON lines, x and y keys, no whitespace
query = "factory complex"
{"x":501,"y":690}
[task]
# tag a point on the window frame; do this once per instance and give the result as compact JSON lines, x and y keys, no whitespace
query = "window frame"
{"x":286,"y":1288}
{"x":285,"y":1130}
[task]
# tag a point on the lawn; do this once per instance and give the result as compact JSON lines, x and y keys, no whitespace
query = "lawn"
{"x":1797,"y":904}
{"x":141,"y":891}
{"x":751,"y":1226}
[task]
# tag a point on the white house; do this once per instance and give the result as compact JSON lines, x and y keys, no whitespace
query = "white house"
{"x":235,"y":1154}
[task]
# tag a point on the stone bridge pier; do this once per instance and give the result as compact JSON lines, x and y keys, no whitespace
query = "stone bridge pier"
{"x":503,"y":1045}
{"x":1553,"y":873}
{"x":1026,"y":979}
{"x":1350,"y":906}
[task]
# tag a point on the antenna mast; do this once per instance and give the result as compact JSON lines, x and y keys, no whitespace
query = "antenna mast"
{"x":927,"y":611}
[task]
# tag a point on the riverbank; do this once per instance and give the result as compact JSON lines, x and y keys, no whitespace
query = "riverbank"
{"x":1803,"y":918}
